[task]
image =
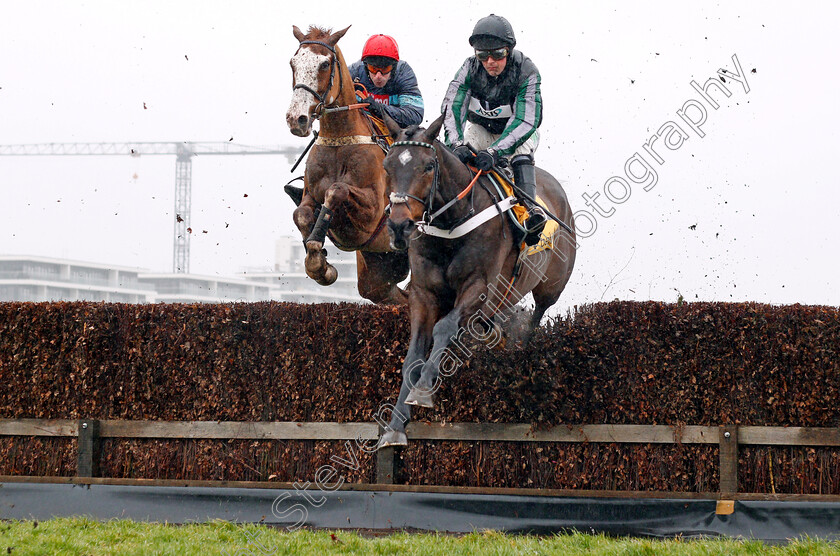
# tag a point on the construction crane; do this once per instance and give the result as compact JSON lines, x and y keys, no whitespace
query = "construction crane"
{"x":184,"y":151}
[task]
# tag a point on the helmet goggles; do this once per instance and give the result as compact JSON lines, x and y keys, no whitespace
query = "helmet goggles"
{"x":384,"y":70}
{"x":496,"y":54}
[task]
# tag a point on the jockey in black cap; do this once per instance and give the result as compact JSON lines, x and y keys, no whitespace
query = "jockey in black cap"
{"x":494,"y":104}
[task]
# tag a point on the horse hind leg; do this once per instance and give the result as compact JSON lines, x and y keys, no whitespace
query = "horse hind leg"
{"x":548,"y":291}
{"x":539,"y":311}
{"x":379,"y":275}
{"x":544,"y":297}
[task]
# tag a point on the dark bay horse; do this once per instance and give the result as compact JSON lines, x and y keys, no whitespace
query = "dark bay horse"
{"x":344,"y":191}
{"x":460,"y":284}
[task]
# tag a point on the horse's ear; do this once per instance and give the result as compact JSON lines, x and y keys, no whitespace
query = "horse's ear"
{"x":298,"y":33}
{"x":432,"y":132}
{"x":332,"y":39}
{"x":393,"y":126}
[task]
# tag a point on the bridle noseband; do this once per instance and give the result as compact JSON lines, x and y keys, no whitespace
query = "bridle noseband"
{"x":322,"y":98}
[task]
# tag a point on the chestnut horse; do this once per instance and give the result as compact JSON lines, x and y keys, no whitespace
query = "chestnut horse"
{"x":464,"y":272}
{"x":344,"y":191}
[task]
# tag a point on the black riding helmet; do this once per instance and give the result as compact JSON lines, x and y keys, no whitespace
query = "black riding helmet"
{"x":492,"y":32}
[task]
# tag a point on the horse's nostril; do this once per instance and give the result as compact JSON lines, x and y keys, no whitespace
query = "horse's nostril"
{"x":303,"y":120}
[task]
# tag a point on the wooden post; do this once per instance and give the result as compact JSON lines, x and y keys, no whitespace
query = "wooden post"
{"x":88,"y":444}
{"x":386,"y":463}
{"x":728,"y":460}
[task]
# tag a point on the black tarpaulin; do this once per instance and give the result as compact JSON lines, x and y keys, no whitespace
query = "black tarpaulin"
{"x":430,"y":511}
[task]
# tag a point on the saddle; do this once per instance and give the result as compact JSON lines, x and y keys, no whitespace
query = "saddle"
{"x":519,"y":212}
{"x":379,"y":132}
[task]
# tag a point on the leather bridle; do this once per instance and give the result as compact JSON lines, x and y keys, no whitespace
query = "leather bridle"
{"x":322,"y":98}
{"x":398,"y":198}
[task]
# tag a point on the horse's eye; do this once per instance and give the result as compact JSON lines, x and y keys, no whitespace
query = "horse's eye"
{"x":430,"y":167}
{"x":324,"y":66}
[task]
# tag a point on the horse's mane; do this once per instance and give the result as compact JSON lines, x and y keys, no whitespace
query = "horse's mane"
{"x":412,"y":130}
{"x":315,"y":33}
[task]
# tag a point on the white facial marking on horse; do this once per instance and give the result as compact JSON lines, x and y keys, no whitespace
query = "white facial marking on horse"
{"x":305,"y":64}
{"x":405,"y":157}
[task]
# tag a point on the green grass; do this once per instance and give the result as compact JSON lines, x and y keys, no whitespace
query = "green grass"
{"x":89,"y":537}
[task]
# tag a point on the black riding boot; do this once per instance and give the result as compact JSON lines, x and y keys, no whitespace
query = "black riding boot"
{"x":296,"y":193}
{"x":525,"y":180}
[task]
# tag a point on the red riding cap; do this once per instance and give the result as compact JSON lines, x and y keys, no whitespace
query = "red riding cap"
{"x":381,"y":45}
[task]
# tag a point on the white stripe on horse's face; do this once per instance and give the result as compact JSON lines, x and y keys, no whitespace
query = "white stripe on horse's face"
{"x":305,"y":69}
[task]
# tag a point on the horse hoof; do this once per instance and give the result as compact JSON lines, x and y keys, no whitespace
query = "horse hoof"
{"x":331,"y":275}
{"x":501,"y":343}
{"x":421,"y":398}
{"x":314,"y":266}
{"x":392,"y":438}
{"x":328,"y":277}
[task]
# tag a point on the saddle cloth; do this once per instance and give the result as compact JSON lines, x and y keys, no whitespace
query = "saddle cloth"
{"x":380,"y":132}
{"x":546,"y":237}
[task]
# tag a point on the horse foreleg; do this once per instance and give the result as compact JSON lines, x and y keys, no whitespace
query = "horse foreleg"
{"x":304,"y":216}
{"x":423,"y":392}
{"x":394,"y":434}
{"x":316,"y":263}
{"x":424,"y":312}
{"x":448,"y":330}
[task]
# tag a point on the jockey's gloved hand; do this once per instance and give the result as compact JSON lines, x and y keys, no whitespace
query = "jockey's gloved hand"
{"x":463,"y":153}
{"x":373,"y":107}
{"x":485,"y":160}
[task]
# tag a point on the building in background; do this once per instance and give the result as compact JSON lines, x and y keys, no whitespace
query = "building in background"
{"x":37,"y":279}
{"x":25,"y":278}
{"x":193,"y":288}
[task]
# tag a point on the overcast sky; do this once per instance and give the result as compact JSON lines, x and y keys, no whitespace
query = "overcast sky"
{"x":748,"y":212}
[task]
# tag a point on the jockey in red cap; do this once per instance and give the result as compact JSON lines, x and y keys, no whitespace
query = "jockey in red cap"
{"x":390,"y":82}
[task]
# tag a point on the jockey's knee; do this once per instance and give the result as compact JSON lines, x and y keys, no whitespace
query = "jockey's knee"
{"x":518,"y":159}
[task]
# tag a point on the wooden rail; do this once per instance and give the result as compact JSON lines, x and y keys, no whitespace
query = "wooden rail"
{"x":728,"y":437}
